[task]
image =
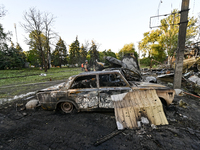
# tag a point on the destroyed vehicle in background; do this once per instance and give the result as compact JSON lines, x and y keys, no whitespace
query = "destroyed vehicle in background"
{"x":93,"y":90}
{"x":191,"y":64}
{"x":191,"y":58}
{"x":128,"y":67}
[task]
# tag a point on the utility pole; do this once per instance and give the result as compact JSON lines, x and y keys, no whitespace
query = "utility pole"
{"x":181,"y":44}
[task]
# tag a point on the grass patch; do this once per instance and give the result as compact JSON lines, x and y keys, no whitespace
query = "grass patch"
{"x":16,"y":85}
{"x":32,"y":75}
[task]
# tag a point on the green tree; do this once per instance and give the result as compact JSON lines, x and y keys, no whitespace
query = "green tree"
{"x":59,"y":56}
{"x":3,"y":35}
{"x":149,"y":39}
{"x":158,"y":52}
{"x":12,"y":58}
{"x":93,"y":53}
{"x":106,"y":53}
{"x":37,"y":25}
{"x":167,"y":35}
{"x":37,"y":42}
{"x":21,"y":55}
{"x":3,"y":45}
{"x":83,"y":53}
{"x":3,"y":38}
{"x":32,"y":57}
{"x":127,"y":49}
{"x":74,"y":52}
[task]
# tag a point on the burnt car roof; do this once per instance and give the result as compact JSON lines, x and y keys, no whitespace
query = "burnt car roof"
{"x":98,"y":72}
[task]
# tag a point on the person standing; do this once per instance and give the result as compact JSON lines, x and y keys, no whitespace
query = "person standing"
{"x":82,"y":66}
{"x":86,"y":66}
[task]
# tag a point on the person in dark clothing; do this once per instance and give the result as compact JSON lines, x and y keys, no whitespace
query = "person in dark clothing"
{"x":86,"y":66}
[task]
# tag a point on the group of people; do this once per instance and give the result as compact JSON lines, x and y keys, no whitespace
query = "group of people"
{"x":85,"y":66}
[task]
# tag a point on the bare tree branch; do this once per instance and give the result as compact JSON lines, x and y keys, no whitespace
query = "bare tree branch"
{"x":2,"y":11}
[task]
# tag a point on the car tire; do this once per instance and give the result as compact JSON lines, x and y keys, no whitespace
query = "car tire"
{"x":67,"y":107}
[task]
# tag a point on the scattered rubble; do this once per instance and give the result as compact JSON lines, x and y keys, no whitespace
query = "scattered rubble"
{"x":179,"y":92}
{"x":195,"y":79}
{"x":77,"y":130}
{"x":182,"y":104}
{"x":32,"y":104}
{"x":151,"y":79}
{"x":43,"y":74}
{"x":98,"y":130}
{"x":144,"y":120}
{"x":138,"y":107}
{"x":16,"y":97}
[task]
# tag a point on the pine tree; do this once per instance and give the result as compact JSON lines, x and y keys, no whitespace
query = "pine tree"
{"x":74,"y":52}
{"x":83,"y":53}
{"x":59,"y":56}
{"x":94,"y":54}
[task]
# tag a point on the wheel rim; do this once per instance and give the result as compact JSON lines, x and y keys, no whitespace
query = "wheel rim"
{"x":67,"y":107}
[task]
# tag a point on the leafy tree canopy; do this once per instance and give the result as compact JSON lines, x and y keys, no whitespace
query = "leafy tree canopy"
{"x":167,"y":36}
{"x":127,"y":49}
{"x":106,"y":53}
{"x":32,"y":56}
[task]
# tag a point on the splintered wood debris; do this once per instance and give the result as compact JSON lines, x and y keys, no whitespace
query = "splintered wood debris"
{"x":130,"y":107}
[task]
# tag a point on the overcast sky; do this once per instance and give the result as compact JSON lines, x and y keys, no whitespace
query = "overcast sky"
{"x":110,"y":23}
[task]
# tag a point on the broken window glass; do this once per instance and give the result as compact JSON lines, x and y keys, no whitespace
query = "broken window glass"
{"x":111,"y":80}
{"x":88,"y":81}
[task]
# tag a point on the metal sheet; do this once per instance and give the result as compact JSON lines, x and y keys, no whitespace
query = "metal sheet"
{"x":130,"y":107}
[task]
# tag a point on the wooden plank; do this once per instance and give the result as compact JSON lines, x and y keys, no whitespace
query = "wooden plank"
{"x":135,"y":107}
{"x":149,"y":109}
{"x":131,"y":106}
{"x":126,"y":114}
{"x":155,"y":106}
{"x":131,"y":112}
{"x":160,"y":115}
{"x":119,"y":116}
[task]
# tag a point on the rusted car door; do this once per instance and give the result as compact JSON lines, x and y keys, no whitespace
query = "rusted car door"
{"x":111,"y":84}
{"x":84,"y":92}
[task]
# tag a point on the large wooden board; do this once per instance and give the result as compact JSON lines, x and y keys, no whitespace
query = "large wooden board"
{"x":130,"y":107}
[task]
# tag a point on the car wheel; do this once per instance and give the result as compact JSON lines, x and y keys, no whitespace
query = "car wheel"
{"x":67,"y":107}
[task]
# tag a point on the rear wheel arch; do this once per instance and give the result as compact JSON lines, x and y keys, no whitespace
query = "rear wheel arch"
{"x":164,"y":105}
{"x":163,"y":101}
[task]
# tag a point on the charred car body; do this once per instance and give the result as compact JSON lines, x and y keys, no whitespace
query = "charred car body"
{"x":93,"y":90}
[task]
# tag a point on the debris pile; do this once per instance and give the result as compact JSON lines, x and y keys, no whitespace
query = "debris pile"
{"x":138,"y":107}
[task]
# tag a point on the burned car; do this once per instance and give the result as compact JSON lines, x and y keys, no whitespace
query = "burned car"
{"x":93,"y":90}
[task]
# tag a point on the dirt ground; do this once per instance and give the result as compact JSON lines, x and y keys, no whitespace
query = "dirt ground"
{"x":49,"y":130}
